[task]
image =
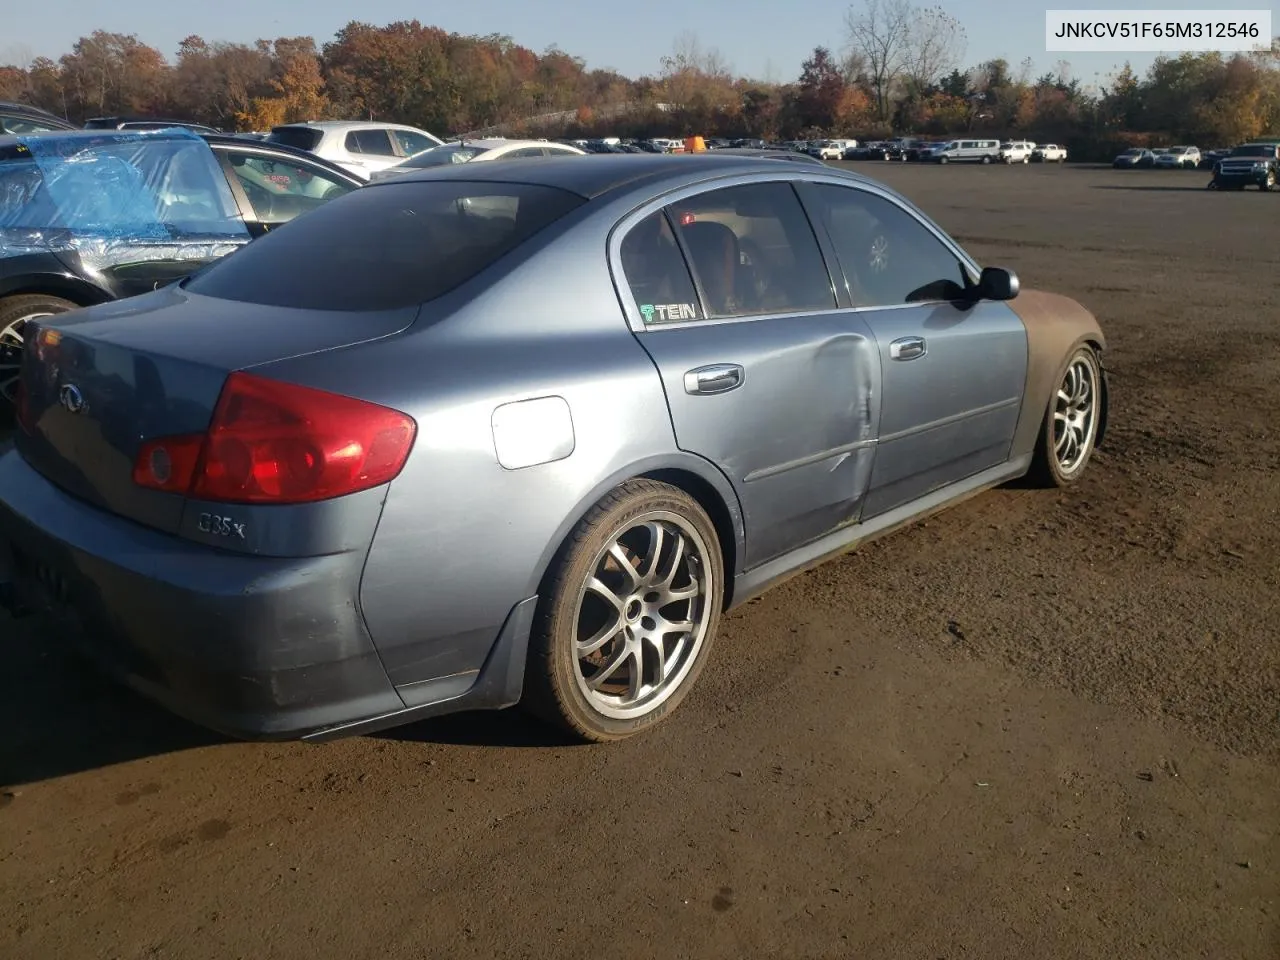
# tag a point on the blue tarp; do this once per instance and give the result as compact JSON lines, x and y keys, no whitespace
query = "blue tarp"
{"x":93,"y":193}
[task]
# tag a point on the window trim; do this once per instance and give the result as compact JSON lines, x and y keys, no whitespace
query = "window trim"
{"x":795,"y":176}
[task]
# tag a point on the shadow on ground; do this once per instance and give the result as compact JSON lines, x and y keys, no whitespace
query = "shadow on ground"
{"x":61,"y":716}
{"x":1169,"y":188}
{"x":488,"y":728}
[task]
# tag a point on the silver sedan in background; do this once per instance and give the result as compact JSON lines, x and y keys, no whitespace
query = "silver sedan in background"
{"x":517,"y":432}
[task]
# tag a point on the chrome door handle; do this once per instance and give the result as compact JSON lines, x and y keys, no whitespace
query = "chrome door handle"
{"x":716,"y":378}
{"x":907,"y":348}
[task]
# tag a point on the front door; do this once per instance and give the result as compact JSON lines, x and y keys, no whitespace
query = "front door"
{"x":953,"y":369}
{"x":763,"y":375}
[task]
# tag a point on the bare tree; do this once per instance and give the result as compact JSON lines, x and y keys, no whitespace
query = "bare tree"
{"x":881,"y":33}
{"x":853,"y":67}
{"x":936,"y":44}
{"x":16,"y":55}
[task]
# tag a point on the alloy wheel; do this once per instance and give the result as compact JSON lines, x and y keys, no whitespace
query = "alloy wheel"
{"x":1075,"y":415}
{"x":11,"y":344}
{"x":642,"y":615}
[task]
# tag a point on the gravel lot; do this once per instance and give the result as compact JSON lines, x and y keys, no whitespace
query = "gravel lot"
{"x":1039,"y":725}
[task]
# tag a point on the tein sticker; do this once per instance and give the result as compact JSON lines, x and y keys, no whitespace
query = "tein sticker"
{"x":666,"y":312}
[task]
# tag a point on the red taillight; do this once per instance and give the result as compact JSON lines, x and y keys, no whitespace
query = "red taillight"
{"x":168,"y":463}
{"x":272,"y":442}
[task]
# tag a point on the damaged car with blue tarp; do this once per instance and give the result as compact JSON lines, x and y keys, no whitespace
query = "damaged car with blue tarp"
{"x":92,"y":216}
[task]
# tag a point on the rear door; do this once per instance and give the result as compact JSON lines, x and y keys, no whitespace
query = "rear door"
{"x":765,"y":376}
{"x":953,"y":369}
{"x":371,"y":149}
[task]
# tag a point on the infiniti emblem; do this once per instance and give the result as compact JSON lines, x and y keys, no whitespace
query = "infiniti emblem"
{"x":71,"y":398}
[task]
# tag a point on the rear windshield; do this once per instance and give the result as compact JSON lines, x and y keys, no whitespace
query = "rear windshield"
{"x":300,"y":138}
{"x":385,"y":247}
{"x":439,"y":156}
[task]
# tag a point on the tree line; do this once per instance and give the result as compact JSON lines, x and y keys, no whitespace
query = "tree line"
{"x":902,"y":71}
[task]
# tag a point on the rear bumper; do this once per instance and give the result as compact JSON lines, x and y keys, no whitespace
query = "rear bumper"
{"x":254,"y":647}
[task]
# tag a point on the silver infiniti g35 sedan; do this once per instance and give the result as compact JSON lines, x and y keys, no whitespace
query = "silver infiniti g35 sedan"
{"x":516,"y":432}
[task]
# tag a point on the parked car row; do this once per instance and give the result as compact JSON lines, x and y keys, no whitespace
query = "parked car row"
{"x":965,"y":150}
{"x":1168,"y":158}
{"x":267,"y":493}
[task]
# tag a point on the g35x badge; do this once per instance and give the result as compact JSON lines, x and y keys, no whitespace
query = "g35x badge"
{"x":220,"y":526}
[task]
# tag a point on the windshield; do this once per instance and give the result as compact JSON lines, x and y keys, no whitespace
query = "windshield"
{"x":1253,"y":151}
{"x":127,"y":186}
{"x":439,"y":156}
{"x":1131,"y":153}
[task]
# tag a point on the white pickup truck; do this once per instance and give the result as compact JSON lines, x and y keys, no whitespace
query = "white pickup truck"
{"x":1049,"y":153}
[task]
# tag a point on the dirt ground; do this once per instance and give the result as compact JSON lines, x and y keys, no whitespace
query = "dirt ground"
{"x":1039,"y":725}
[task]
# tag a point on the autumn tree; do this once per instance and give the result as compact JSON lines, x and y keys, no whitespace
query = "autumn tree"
{"x":820,"y":91}
{"x":113,"y":73}
{"x":218,"y":83}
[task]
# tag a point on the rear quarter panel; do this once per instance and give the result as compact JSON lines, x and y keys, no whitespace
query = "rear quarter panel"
{"x":1056,"y":326}
{"x":463,"y":539}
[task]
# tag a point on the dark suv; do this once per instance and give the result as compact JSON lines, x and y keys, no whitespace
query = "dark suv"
{"x":1250,"y":163}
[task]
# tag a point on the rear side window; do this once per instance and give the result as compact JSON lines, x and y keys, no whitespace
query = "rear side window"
{"x":753,"y":251}
{"x":375,"y":142}
{"x":386,"y":247}
{"x":300,"y":138}
{"x":657,"y":273}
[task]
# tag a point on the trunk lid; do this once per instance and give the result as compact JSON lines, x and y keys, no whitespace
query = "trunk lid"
{"x":100,"y":382}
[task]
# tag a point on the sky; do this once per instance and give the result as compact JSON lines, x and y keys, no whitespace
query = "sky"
{"x":631,"y":38}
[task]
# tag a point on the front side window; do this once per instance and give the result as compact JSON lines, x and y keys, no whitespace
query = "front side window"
{"x":279,"y":190}
{"x":753,"y":251}
{"x":888,"y":256}
{"x":387,"y":246}
{"x":119,"y":186}
{"x":657,"y":274}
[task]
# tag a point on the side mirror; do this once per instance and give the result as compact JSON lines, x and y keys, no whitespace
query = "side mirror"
{"x":996,"y":283}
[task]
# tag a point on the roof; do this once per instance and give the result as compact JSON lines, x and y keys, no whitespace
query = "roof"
{"x":603,"y":173}
{"x":349,"y":125}
{"x":26,"y":110}
{"x":122,"y":136}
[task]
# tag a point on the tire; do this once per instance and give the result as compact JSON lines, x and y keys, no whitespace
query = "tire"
{"x":1049,"y":466}
{"x":14,"y":314}
{"x":943,"y":160}
{"x":986,"y":159}
{"x":559,"y":675}
{"x":1269,"y":183}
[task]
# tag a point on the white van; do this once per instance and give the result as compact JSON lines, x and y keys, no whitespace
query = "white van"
{"x":968,"y":151}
